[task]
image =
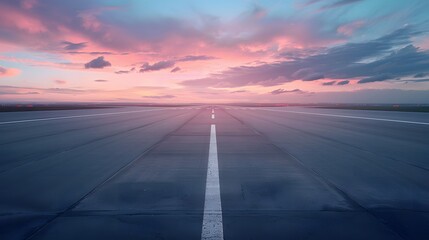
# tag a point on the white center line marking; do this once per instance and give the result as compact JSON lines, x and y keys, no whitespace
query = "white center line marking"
{"x":212,"y":110}
{"x":213,"y":116}
{"x":75,"y":116}
{"x":212,"y":220}
{"x":348,"y":116}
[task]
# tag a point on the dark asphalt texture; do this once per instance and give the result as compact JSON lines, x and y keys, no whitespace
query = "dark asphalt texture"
{"x":140,"y":173}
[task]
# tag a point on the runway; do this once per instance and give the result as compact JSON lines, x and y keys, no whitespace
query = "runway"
{"x":214,"y":172}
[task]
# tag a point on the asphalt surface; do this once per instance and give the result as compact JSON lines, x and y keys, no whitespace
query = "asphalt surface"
{"x":232,"y":173}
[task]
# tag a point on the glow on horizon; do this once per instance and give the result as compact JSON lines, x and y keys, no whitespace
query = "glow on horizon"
{"x":220,"y":51}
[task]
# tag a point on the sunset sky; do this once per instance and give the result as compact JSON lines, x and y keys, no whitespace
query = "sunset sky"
{"x":363,"y":51}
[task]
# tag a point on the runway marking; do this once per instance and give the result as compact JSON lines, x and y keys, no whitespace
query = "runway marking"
{"x":213,"y":116}
{"x":212,"y":220}
{"x":75,"y":116}
{"x":212,"y":110}
{"x":348,"y":116}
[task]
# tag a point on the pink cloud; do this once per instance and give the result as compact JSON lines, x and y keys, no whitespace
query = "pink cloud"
{"x":28,"y":4}
{"x":90,"y":21}
{"x":423,"y":43}
{"x":8,"y":72}
{"x":254,"y":34}
{"x":350,"y":28}
{"x":60,"y":82}
{"x":11,"y":18}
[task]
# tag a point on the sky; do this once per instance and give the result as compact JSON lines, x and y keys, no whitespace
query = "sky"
{"x":224,"y":51}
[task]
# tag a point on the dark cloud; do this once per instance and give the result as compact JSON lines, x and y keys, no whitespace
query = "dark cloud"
{"x":64,"y":90}
{"x":96,"y":53}
{"x":98,"y":63}
{"x":33,"y":90}
{"x":176,"y":69}
{"x":157,"y":66}
{"x":74,"y":46}
{"x":351,"y":60}
{"x":378,"y":78}
{"x":12,"y":90}
{"x":239,"y":91}
{"x":195,"y":58}
{"x":415,"y":80}
{"x":296,"y":54}
{"x":421,"y":80}
{"x":372,"y":96}
{"x":126,"y":71}
{"x":420,"y":75}
{"x":15,"y":92}
{"x":122,"y":72}
{"x":329,"y":83}
{"x":361,"y":96}
{"x":313,"y":76}
{"x":100,"y":80}
{"x":302,"y":73}
{"x":160,"y":96}
{"x":345,"y":82}
{"x":282,"y":91}
{"x":146,"y":67}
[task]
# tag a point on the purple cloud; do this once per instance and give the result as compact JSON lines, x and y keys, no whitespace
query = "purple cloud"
{"x":60,"y":82}
{"x":195,"y":58}
{"x":122,"y":72}
{"x":416,"y":80}
{"x":73,"y":46}
{"x":11,"y":90}
{"x":329,"y":83}
{"x":377,"y":78}
{"x":95,"y":53}
{"x":176,"y":69}
{"x":146,"y":67}
{"x":98,"y":63}
{"x":7,"y":72}
{"x":159,"y":96}
{"x":345,"y":82}
{"x":312,"y":77}
{"x":282,"y":91}
{"x":126,"y":71}
{"x":340,"y":62}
